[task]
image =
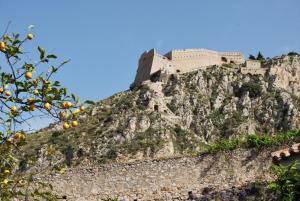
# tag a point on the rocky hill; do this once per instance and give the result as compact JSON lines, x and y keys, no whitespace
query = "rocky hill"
{"x":162,"y":140}
{"x":180,"y":117}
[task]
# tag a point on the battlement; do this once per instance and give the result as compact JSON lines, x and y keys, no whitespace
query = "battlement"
{"x":186,"y":60}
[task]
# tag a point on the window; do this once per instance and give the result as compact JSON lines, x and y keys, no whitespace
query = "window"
{"x":224,"y":59}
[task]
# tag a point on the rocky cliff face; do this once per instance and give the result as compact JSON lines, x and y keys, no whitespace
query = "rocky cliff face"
{"x":180,"y":117}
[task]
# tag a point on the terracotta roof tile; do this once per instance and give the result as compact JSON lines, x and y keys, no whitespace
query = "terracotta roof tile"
{"x":286,"y":152}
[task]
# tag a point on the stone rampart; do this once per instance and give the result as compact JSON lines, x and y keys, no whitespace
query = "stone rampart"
{"x":182,"y":61}
{"x":164,"y":179}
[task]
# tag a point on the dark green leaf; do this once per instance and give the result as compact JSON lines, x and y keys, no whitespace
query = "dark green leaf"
{"x":42,"y":52}
{"x":51,"y":56}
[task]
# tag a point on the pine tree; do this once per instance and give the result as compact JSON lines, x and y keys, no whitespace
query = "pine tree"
{"x":260,"y":56}
{"x":251,"y":57}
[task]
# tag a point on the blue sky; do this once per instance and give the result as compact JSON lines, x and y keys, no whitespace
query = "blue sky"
{"x":105,"y":38}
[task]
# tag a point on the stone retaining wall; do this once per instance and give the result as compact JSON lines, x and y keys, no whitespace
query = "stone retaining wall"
{"x":164,"y":179}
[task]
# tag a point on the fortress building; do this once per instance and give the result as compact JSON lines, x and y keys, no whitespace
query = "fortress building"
{"x":156,"y":67}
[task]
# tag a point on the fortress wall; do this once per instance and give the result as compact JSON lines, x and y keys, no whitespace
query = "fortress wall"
{"x":253,"y":67}
{"x":236,"y":57}
{"x":253,"y":64}
{"x":144,"y":68}
{"x":149,"y":63}
{"x":186,"y":65}
{"x":185,"y":61}
{"x":182,"y":61}
{"x":253,"y":71}
{"x":160,"y":62}
{"x":164,"y":179}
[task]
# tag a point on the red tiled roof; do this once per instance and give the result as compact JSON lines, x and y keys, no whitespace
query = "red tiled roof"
{"x":286,"y":152}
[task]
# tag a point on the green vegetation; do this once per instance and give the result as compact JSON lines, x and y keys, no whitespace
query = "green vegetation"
{"x":260,"y":56}
{"x":260,"y":141}
{"x":28,"y":91}
{"x":230,"y":123}
{"x":253,"y":141}
{"x":293,"y":54}
{"x":224,"y":145}
{"x":150,"y":139}
{"x":251,"y":57}
{"x":218,"y":117}
{"x":185,"y":141}
{"x":254,"y":89}
{"x":287,"y":184}
{"x":227,"y":65}
{"x":172,"y":107}
{"x":170,"y":89}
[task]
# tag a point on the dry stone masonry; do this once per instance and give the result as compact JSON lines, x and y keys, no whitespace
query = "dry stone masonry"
{"x":164,"y":179}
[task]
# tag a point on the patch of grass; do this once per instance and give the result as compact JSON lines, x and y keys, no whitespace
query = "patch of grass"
{"x":258,"y":141}
{"x":224,"y":145}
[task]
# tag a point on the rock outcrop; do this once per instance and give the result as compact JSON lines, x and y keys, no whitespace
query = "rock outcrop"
{"x":181,"y":117}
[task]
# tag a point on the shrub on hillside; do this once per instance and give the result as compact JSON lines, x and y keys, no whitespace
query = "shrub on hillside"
{"x":254,"y":89}
{"x":293,"y":54}
{"x":287,"y":184}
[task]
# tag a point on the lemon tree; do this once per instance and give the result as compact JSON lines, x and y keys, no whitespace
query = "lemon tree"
{"x":27,"y":91}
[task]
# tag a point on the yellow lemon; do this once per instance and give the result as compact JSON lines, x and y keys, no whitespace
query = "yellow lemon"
{"x":32,"y":107}
{"x":22,"y":137}
{"x":13,"y":108}
{"x":64,"y":105}
{"x":66,"y":126}
{"x":7,"y":93}
{"x":2,"y":45}
{"x":30,"y":100}
{"x":28,"y":75}
{"x":17,"y":136}
{"x":81,"y":108}
{"x":47,"y":106}
{"x":67,"y":104}
{"x":29,"y":36}
{"x":74,"y":123}
{"x":9,"y":140}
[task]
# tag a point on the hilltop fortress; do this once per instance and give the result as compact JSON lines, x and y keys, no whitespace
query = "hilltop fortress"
{"x":155,"y":67}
